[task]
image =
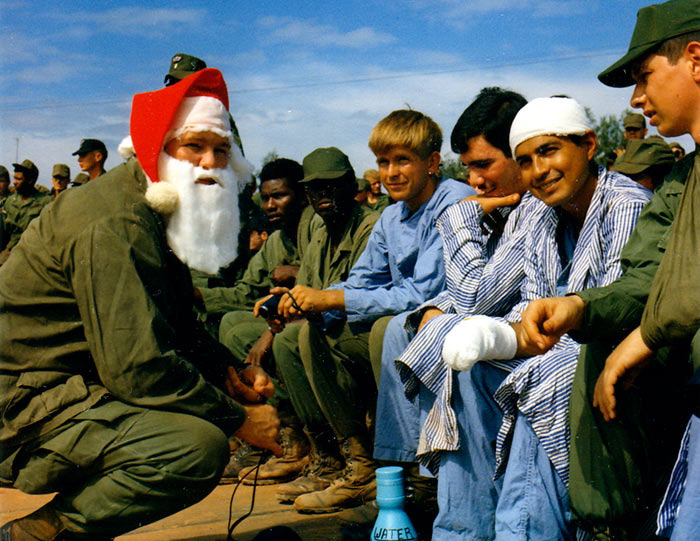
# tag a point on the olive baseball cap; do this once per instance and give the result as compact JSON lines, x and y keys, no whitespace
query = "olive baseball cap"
{"x":182,"y":65}
{"x":4,"y":173}
{"x":27,"y":167}
{"x":641,"y":154}
{"x":88,"y":145}
{"x":61,"y":170}
{"x":655,"y":24}
{"x":362,"y":184}
{"x":634,"y":120}
{"x":327,"y":164}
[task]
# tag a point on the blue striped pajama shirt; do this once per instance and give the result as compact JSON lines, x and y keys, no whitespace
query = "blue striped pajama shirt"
{"x":484,"y":271}
{"x":539,"y":387}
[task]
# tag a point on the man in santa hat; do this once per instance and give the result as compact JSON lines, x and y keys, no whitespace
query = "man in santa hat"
{"x":111,"y":393}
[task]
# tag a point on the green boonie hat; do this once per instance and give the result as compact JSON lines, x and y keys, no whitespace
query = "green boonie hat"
{"x":27,"y":166}
{"x":4,"y":173}
{"x":362,"y":184}
{"x":327,"y":164}
{"x":88,"y":145}
{"x":61,"y":170}
{"x":641,"y":154}
{"x":81,"y":178}
{"x":634,"y":120}
{"x":655,"y":24}
{"x":183,"y":65}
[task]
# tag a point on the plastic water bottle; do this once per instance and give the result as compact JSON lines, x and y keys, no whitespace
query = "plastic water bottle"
{"x":392,"y":522}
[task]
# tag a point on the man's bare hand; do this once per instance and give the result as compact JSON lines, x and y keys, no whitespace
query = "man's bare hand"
{"x":623,"y":365}
{"x":261,"y":428}
{"x":261,"y":349}
{"x":251,"y":386}
{"x":429,"y":314}
{"x":489,"y":204}
{"x":544,"y":321}
{"x":284,"y":275}
{"x":302,"y":299}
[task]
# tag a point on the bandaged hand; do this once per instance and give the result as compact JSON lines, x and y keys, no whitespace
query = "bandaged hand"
{"x":478,"y":338}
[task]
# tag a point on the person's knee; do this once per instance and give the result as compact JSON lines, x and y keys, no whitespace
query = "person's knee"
{"x":207,"y":450}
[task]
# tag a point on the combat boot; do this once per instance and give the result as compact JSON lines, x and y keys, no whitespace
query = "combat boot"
{"x":283,"y":468}
{"x":323,"y":468}
{"x":41,"y":525}
{"x":356,"y":486}
{"x":244,"y":456}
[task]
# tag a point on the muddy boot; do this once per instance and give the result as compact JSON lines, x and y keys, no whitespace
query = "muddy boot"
{"x":355,"y":487}
{"x":43,"y":524}
{"x":284,"y":468}
{"x":323,"y":468}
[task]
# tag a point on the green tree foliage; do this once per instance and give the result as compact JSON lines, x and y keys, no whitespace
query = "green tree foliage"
{"x":453,"y":168}
{"x":610,"y":134}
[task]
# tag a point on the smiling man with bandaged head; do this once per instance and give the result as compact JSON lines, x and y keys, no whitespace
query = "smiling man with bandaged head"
{"x":574,"y":245}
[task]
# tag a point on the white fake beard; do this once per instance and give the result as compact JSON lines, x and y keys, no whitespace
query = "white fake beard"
{"x":203,"y":229}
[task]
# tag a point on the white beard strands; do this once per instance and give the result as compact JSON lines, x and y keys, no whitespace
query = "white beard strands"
{"x":203,"y":228}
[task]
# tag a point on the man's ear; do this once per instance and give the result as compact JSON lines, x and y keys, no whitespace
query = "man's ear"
{"x":590,"y":141}
{"x":434,"y":162}
{"x":692,"y":55}
{"x":99,"y":156}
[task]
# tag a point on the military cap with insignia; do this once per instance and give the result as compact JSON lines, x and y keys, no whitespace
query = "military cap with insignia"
{"x":181,"y":66}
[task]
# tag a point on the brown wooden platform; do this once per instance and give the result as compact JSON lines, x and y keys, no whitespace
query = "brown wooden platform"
{"x":207,"y":520}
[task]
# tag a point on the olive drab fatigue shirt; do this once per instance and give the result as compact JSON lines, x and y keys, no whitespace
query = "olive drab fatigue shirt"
{"x":322,"y":266}
{"x":93,"y":304}
{"x":18,"y":213}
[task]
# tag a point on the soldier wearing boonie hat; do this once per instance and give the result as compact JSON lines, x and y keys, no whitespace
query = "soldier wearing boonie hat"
{"x":646,"y":161}
{"x":23,"y":206}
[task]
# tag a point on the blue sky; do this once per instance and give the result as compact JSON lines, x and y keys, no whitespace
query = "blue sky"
{"x":300,"y":74}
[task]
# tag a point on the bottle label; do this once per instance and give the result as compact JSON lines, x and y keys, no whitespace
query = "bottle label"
{"x":394,"y":534}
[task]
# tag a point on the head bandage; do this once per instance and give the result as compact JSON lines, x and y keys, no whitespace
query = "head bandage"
{"x":548,"y":116}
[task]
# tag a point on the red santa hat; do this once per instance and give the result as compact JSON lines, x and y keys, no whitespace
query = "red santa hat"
{"x":158,"y":116}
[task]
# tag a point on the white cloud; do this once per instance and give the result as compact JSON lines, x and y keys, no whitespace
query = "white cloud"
{"x":137,"y":20}
{"x":307,"y":32}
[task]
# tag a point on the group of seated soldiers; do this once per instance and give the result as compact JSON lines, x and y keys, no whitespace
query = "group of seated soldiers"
{"x":507,"y":340}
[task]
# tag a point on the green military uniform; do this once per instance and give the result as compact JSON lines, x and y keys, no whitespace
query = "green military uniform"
{"x":383,"y":201}
{"x":239,"y":328}
{"x":19,"y":213}
{"x":321,"y":267}
{"x":104,"y":376}
{"x":277,"y":250}
{"x":614,"y":465}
